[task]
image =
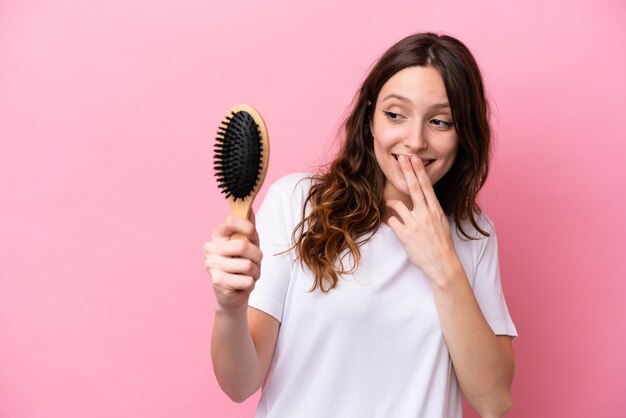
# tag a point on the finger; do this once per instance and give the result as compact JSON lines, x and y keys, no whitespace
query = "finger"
{"x":404,"y":214}
{"x":232,"y":225}
{"x":425,"y":183}
{"x":234,"y":248}
{"x":226,"y":282}
{"x":232,"y":266}
{"x":394,"y":223}
{"x":412,"y":182}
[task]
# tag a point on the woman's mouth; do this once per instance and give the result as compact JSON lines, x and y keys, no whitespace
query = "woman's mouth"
{"x":426,"y":162}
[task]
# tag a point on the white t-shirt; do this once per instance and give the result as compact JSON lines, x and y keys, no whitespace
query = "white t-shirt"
{"x":373,"y":345}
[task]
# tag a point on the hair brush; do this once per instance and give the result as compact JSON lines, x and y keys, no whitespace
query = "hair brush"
{"x":241,"y":158}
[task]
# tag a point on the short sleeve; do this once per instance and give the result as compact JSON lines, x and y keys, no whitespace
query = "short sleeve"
{"x":488,"y":286}
{"x":275,"y":224}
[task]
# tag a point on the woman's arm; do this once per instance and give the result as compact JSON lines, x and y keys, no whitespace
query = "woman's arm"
{"x":243,"y":338}
{"x":241,"y":349}
{"x":483,"y":363}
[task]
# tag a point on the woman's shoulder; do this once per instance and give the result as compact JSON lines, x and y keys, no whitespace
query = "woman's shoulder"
{"x":294,"y":183}
{"x":286,"y":196}
{"x":290,"y":181}
{"x":483,"y":221}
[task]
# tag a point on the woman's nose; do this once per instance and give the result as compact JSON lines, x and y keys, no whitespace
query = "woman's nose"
{"x":416,"y":139}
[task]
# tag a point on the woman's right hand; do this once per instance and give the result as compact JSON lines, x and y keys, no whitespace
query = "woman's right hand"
{"x":234,"y":264}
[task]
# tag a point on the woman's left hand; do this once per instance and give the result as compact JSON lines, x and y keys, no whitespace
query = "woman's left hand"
{"x":424,"y":231}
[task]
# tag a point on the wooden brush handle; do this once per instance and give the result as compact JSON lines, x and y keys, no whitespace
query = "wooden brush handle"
{"x":241,"y":209}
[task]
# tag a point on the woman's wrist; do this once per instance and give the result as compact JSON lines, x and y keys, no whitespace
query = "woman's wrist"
{"x":449,"y":273}
{"x":231,"y":313}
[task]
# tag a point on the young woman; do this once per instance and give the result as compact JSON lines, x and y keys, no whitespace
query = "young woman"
{"x":378,"y":293}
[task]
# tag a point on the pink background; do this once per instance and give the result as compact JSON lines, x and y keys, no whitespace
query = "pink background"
{"x":108,"y":112}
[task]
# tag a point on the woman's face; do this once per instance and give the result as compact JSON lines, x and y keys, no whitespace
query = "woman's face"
{"x":412,"y":116}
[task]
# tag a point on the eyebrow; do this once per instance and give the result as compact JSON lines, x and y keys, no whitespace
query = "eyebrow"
{"x":409,"y":101}
{"x":397,"y":96}
{"x":440,"y":106}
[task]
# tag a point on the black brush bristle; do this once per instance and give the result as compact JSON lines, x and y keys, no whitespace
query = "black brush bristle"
{"x":238,"y":154}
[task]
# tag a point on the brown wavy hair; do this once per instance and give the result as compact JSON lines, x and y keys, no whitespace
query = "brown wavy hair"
{"x":346,"y":197}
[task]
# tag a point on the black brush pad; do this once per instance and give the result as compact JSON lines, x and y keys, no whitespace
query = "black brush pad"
{"x":238,"y":155}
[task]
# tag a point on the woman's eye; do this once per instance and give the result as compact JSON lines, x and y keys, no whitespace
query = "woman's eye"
{"x":392,"y":116}
{"x":442,"y":124}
